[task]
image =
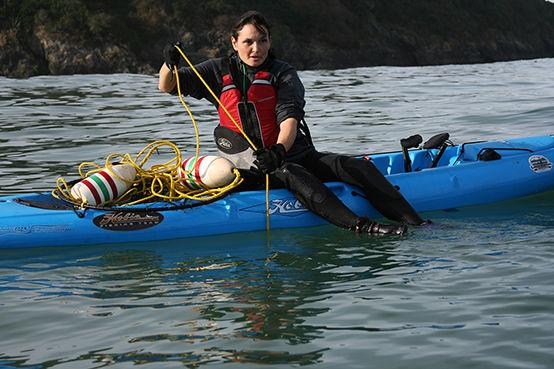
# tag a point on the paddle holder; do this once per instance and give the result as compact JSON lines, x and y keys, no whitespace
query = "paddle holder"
{"x":439,"y":142}
{"x":408,"y":143}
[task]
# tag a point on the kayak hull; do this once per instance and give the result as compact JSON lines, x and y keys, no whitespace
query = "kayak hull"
{"x":240,"y":212}
{"x":460,"y":179}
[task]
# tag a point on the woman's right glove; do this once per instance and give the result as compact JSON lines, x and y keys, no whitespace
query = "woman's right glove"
{"x":267,"y":160}
{"x":172,"y":57}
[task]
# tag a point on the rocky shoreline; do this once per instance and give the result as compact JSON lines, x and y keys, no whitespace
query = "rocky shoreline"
{"x":70,"y":37}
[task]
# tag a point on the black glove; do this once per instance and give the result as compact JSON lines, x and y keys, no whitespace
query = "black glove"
{"x":172,"y":57}
{"x":267,"y":160}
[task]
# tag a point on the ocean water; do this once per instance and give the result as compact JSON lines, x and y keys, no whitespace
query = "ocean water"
{"x":473,"y":291}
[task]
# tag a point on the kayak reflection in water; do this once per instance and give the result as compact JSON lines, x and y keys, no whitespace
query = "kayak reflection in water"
{"x":265,"y":95}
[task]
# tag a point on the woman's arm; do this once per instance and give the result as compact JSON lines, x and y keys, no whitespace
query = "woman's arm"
{"x":189,"y":82}
{"x":166,"y":81}
{"x":287,"y":133}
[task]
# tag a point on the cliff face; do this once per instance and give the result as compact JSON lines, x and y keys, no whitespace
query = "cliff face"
{"x":121,"y":36}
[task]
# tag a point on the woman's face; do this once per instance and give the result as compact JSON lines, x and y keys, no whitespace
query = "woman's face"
{"x":251,"y":45}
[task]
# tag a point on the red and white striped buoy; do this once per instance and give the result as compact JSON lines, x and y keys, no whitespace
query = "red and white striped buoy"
{"x":105,"y":185}
{"x":209,"y":171}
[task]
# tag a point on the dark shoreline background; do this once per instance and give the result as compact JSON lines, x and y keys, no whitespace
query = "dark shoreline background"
{"x":42,"y":37}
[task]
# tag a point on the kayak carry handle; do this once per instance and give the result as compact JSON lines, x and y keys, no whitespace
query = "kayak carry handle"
{"x":408,"y":143}
{"x":440,"y":142}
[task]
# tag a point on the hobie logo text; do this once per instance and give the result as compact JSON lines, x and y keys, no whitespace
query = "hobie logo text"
{"x":286,"y":206}
{"x":128,"y":221}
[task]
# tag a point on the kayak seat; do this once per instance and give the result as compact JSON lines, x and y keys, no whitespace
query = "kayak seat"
{"x":396,"y":163}
{"x":448,"y":157}
{"x":389,"y":163}
{"x":382,"y":163}
{"x":421,"y":159}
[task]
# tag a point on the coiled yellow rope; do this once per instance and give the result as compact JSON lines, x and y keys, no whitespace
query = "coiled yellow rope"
{"x":158,"y":182}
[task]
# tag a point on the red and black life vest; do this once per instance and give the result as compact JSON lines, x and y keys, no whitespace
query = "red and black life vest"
{"x":254,"y":110}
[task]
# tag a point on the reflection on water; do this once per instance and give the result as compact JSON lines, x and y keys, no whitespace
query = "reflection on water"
{"x":185,"y":295}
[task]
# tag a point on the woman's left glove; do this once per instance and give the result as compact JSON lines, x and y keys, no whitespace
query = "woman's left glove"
{"x":172,"y":57}
{"x":269,"y":159}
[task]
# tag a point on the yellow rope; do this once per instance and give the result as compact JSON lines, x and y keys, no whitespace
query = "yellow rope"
{"x":188,"y":111}
{"x":159,"y":182}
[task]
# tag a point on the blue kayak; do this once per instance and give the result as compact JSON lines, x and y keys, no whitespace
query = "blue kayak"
{"x":430,"y":179}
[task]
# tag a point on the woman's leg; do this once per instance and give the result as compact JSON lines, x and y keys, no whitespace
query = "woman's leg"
{"x":311,"y":192}
{"x":363,"y":173}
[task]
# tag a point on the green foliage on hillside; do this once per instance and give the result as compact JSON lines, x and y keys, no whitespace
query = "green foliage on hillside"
{"x":309,"y":33}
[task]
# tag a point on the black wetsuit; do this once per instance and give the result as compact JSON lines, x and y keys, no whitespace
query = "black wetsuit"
{"x":305,"y":169}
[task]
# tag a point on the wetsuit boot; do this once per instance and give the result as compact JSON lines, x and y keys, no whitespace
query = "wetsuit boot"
{"x":365,"y":225}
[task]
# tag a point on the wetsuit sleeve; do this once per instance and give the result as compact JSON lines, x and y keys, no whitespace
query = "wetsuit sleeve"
{"x":191,"y":85}
{"x":290,"y":96}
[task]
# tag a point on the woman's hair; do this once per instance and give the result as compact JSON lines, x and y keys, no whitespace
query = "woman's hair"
{"x":254,"y":18}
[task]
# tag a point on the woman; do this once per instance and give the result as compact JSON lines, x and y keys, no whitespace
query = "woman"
{"x":266,"y":96}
